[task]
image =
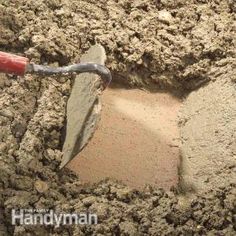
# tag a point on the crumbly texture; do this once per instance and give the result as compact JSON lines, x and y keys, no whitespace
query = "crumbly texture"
{"x":156,"y":44}
{"x":171,"y":44}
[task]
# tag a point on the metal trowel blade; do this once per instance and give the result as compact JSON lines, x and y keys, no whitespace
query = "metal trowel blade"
{"x":83,"y":107}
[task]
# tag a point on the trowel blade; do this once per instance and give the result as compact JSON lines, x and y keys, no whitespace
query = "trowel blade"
{"x":83,"y":107}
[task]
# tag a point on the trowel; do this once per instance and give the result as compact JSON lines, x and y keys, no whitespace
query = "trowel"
{"x":84,"y":105}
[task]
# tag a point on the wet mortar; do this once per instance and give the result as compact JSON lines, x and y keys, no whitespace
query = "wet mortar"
{"x":136,"y":141}
{"x":175,"y":45}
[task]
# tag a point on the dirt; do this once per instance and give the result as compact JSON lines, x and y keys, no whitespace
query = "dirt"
{"x":136,"y":141}
{"x":179,"y":46}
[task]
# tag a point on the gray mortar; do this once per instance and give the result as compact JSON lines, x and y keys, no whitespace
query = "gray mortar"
{"x":159,"y":44}
{"x":176,"y":51}
{"x":208,"y":128}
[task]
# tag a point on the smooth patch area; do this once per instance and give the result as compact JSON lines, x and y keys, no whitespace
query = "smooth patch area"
{"x":136,"y":142}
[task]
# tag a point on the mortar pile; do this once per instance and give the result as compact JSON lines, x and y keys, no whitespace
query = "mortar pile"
{"x":179,"y":46}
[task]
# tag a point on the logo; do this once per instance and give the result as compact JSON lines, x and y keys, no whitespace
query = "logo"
{"x":49,"y":217}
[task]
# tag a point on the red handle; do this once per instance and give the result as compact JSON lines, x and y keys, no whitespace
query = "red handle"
{"x":12,"y":64}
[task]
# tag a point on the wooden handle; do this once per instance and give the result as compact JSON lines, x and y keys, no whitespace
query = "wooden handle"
{"x":13,"y":64}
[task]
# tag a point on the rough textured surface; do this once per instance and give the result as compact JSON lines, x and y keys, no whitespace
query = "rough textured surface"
{"x":173,"y":44}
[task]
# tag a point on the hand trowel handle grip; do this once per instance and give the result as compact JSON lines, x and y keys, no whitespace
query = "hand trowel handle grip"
{"x":13,"y":64}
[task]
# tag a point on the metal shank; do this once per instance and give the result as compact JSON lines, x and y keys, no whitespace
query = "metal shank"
{"x":76,"y":68}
